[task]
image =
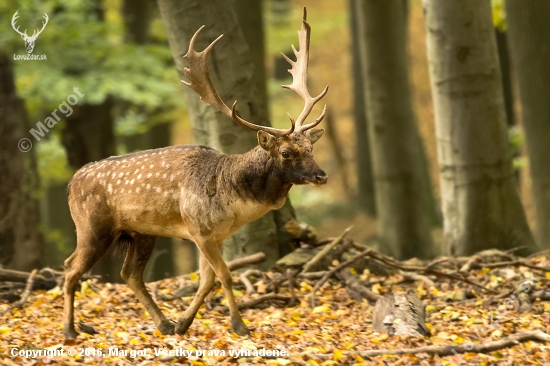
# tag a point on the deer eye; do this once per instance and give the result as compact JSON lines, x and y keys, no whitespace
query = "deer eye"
{"x":286,"y":154}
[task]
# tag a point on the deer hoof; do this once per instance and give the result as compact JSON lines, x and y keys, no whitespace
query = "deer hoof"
{"x":240,"y":328}
{"x":183,"y":325}
{"x":166,"y":327}
{"x":70,"y":333}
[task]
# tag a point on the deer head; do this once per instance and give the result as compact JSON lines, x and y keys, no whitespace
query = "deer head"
{"x":29,"y":40}
{"x":290,"y":150}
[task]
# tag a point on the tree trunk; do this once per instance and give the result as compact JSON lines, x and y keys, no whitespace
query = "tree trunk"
{"x":20,"y":238}
{"x":233,"y":74}
{"x":481,"y":205}
{"x":365,"y":183}
{"x":403,"y":215}
{"x":529,"y":36}
{"x":250,"y":16}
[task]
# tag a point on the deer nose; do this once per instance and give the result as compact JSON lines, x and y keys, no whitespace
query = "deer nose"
{"x":321,"y":177}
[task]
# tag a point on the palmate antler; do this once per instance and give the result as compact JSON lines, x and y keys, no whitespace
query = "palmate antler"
{"x":299,"y":78}
{"x":201,"y":83}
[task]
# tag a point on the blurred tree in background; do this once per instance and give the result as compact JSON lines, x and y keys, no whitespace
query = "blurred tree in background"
{"x":481,"y":205}
{"x":529,"y":36}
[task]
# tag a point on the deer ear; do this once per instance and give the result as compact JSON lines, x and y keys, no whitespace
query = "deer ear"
{"x":315,"y":134}
{"x":266,"y":140}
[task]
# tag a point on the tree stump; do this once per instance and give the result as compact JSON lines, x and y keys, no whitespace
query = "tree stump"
{"x":400,"y":313}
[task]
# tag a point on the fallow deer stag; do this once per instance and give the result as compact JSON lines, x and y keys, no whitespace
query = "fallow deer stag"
{"x":191,"y":192}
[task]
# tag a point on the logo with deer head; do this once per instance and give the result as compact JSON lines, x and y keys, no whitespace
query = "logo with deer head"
{"x":29,"y":40}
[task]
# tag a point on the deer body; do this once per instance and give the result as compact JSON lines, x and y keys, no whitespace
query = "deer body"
{"x":195,"y":189}
{"x":191,"y":192}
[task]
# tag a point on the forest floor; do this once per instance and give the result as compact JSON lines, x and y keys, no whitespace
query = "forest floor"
{"x":337,"y":330}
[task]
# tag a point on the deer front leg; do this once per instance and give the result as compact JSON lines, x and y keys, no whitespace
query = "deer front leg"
{"x":206,"y":284}
{"x":138,"y":254}
{"x":211,"y":252}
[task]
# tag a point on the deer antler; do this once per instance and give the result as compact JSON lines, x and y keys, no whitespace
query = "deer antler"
{"x":13,"y":19}
{"x":201,"y":83}
{"x":299,"y":78}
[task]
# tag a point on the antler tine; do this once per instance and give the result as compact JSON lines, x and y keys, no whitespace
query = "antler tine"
{"x":299,"y":77}
{"x":43,"y":24}
{"x":13,"y":19}
{"x":201,"y":83}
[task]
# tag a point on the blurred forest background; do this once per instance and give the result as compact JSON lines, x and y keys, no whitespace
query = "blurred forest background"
{"x":392,"y":86}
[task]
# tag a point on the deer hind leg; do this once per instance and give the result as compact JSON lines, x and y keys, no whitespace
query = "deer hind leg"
{"x":90,"y":247}
{"x":211,"y":252}
{"x":206,"y":284}
{"x":137,"y":255}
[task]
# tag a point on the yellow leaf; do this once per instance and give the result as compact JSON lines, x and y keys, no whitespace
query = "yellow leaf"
{"x":157,"y":333}
{"x":4,"y":330}
{"x":430,"y":308}
{"x":359,"y":358}
{"x":547,"y":275}
{"x":199,"y":315}
{"x":194,"y":277}
{"x":134,"y":341}
{"x":353,"y":270}
{"x":337,"y":355}
{"x":312,"y":362}
{"x":297,"y":332}
{"x":321,"y":309}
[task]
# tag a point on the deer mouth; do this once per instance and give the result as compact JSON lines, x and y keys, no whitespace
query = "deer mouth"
{"x":317,"y":181}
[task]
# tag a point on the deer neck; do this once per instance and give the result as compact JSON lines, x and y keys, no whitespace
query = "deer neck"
{"x":254,"y":176}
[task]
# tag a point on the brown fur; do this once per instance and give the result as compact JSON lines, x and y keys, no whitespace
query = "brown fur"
{"x":190,"y":192}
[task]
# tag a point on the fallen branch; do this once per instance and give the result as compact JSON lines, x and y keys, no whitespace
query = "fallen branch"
{"x":39,"y":281}
{"x":455,"y":349}
{"x":425,"y":270}
{"x":353,"y":283}
{"x":290,"y":277}
{"x":333,"y":271}
{"x":246,"y":282}
{"x":324,"y":251}
{"x":518,"y":262}
{"x":239,"y":263}
{"x":26,"y":293}
{"x":254,"y":302}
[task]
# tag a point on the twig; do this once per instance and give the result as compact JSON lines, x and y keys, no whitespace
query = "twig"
{"x":393,"y":263}
{"x":417,"y":277}
{"x":290,"y":277}
{"x":313,"y":275}
{"x":511,"y":341}
{"x":353,"y":283}
{"x":26,"y":293}
{"x":246,"y":282}
{"x":333,"y":271}
{"x":538,"y":253}
{"x":246,"y":261}
{"x":324,"y":251}
{"x":518,"y":262}
{"x":254,"y":302}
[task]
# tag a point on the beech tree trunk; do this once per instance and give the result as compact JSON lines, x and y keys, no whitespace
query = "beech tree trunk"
{"x":481,"y":205}
{"x":403,"y":214}
{"x":529,"y":37}
{"x":365,"y":183}
{"x":233,"y":73}
{"x":21,"y":243}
